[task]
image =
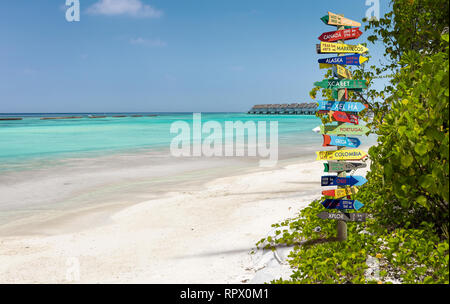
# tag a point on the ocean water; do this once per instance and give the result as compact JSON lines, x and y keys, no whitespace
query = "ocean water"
{"x":32,"y":142}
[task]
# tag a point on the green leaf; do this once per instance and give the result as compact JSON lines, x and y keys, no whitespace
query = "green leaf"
{"x":422,"y":201}
{"x":421,"y":148}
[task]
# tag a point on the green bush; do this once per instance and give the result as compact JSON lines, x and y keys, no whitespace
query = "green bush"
{"x":407,"y":192}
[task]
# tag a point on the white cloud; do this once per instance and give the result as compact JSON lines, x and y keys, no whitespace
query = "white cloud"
{"x":134,"y":8}
{"x":148,"y":42}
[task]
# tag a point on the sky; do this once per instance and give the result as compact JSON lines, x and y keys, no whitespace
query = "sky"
{"x":163,"y":55}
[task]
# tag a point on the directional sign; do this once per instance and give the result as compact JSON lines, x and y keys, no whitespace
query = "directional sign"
{"x":339,"y":193}
{"x":326,"y":18}
{"x":339,"y":70}
{"x":341,"y":106}
{"x":342,"y":204}
{"x":345,"y":129}
{"x":344,"y":60}
{"x":341,"y":116}
{"x":333,"y":47}
{"x":334,"y":19}
{"x":325,"y":66}
{"x":335,"y":94}
{"x":341,"y":141}
{"x":346,"y":34}
{"x":348,"y":217}
{"x":341,"y":84}
{"x":345,"y":117}
{"x":334,"y":166}
{"x":354,"y":180}
{"x":351,"y":154}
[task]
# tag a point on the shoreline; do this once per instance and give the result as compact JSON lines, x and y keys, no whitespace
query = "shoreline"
{"x":199,"y":232}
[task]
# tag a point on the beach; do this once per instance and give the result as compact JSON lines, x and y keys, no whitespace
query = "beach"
{"x":147,"y":217}
{"x":195,"y":236}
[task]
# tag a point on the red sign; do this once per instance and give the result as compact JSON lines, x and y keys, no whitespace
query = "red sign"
{"x":345,"y":117}
{"x":342,"y":116}
{"x":347,"y":34}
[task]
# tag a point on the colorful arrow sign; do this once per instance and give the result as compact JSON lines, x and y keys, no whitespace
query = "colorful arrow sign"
{"x":339,"y":193}
{"x":344,"y":129}
{"x":341,"y":106}
{"x":326,"y":18}
{"x":334,"y":19}
{"x":344,"y":60}
{"x":341,"y":116}
{"x":340,"y":48}
{"x":341,"y":141}
{"x":346,"y":34}
{"x":342,"y":204}
{"x":334,"y":166}
{"x":348,"y":217}
{"x":331,"y":180}
{"x":345,"y":117}
{"x":339,"y":70}
{"x":341,"y":84}
{"x":350,"y":154}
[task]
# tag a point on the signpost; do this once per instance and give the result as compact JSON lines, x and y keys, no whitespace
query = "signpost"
{"x":340,"y":48}
{"x":331,"y":180}
{"x":344,"y":129}
{"x":335,"y":19}
{"x":341,"y":141}
{"x":342,"y":204}
{"x":347,"y":34}
{"x":325,"y":19}
{"x":339,"y":193}
{"x":334,"y":166}
{"x":345,"y":117}
{"x":341,"y":106}
{"x":341,"y":84}
{"x":345,"y":60}
{"x":341,"y":116}
{"x":350,"y":154}
{"x":347,"y":122}
{"x":347,"y":217}
{"x":340,"y":71}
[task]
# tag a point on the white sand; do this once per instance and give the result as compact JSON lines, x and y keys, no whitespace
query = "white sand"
{"x":199,"y":236}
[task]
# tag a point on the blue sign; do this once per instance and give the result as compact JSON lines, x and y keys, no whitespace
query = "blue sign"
{"x":331,"y":180}
{"x":356,"y":59}
{"x":342,"y":204}
{"x":341,"y":106}
{"x":341,"y":141}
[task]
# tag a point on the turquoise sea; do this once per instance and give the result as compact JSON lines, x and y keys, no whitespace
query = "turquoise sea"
{"x":30,"y":142}
{"x":25,"y":143}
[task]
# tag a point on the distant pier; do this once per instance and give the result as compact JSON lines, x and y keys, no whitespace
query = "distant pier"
{"x":77,"y":117}
{"x":285,"y":109}
{"x":11,"y":118}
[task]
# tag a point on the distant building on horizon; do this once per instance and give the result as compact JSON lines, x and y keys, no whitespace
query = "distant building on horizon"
{"x":285,"y":109}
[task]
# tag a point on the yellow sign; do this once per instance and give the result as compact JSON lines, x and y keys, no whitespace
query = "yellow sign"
{"x":339,"y":193}
{"x":351,"y":154}
{"x":334,"y":19}
{"x":325,"y":66}
{"x":330,"y":47}
{"x":343,"y":72}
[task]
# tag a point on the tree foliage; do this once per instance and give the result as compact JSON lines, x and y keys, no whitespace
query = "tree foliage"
{"x":408,"y":184}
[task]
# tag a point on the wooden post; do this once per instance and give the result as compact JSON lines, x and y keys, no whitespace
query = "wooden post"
{"x":341,"y":225}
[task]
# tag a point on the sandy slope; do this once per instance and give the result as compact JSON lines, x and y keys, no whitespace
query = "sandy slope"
{"x":200,"y":236}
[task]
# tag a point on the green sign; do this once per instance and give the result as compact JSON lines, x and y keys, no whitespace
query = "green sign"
{"x":345,"y":129}
{"x":341,"y":84}
{"x":325,"y":19}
